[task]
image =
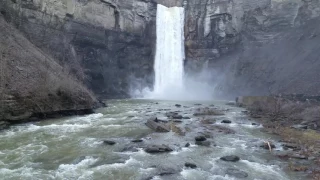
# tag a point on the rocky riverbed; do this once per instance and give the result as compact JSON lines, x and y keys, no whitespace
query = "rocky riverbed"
{"x":141,"y":139}
{"x":295,"y":119}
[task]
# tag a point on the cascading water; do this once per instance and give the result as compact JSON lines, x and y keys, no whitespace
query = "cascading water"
{"x":170,"y":55}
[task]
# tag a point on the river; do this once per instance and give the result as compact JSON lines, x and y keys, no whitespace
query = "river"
{"x":72,"y":148}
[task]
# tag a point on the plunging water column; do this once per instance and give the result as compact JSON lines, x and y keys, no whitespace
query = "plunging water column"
{"x":168,"y":67}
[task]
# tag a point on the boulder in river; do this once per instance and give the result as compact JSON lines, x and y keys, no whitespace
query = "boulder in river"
{"x":170,"y":114}
{"x":230,"y":158}
{"x":187,"y":145}
{"x":130,"y":148}
{"x":137,"y":141}
{"x":236,"y":173}
{"x":208,"y":121}
{"x":208,"y":112}
{"x":157,"y":126}
{"x":178,"y":105}
{"x":174,"y":115}
{"x":108,"y":142}
{"x":200,"y":138}
{"x":203,"y":143}
{"x":226,"y":121}
{"x":4,"y":125}
{"x":190,"y":165}
{"x":291,"y":146}
{"x":177,"y":129}
{"x":157,"y":149}
{"x":177,"y":116}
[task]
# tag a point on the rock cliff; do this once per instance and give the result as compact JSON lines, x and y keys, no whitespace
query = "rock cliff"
{"x":105,"y":43}
{"x":33,"y":84}
{"x":254,"y":46}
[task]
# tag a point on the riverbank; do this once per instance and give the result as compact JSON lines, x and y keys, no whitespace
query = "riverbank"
{"x":296,"y":119}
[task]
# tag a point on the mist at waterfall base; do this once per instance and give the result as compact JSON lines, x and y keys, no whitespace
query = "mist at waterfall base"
{"x":171,"y":82}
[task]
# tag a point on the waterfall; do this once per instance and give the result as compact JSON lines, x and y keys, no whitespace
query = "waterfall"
{"x":170,"y":55}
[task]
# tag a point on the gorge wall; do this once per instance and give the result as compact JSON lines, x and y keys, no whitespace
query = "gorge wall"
{"x":33,"y":84}
{"x":105,"y":43}
{"x":110,"y":44}
{"x":254,"y":47}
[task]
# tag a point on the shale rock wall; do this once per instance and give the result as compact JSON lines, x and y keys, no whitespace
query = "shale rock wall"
{"x":217,"y":27}
{"x":33,"y":84}
{"x":105,"y":43}
{"x":254,"y":47}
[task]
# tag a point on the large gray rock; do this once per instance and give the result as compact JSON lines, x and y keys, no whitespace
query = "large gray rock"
{"x":3,"y":125}
{"x":157,"y":149}
{"x":230,"y":158}
{"x":157,"y":126}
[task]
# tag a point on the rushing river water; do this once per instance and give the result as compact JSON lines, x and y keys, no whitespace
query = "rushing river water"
{"x":72,"y":148}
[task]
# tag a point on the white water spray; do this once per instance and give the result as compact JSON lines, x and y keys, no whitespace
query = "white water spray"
{"x":170,"y":55}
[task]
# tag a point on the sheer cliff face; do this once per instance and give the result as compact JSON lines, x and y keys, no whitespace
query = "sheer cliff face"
{"x":255,"y":46}
{"x":215,"y":27}
{"x":32,"y":82}
{"x":106,"y":43}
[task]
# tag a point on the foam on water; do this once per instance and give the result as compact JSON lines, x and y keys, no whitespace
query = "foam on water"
{"x":272,"y":170}
{"x":76,"y":171}
{"x":184,"y":149}
{"x":89,"y":119}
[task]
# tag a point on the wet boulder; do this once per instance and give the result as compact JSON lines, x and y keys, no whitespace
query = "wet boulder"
{"x":177,"y":116}
{"x":200,"y":138}
{"x":208,"y":112}
{"x":226,"y":121}
{"x":290,"y":146}
{"x":4,"y":125}
{"x":130,"y":148}
{"x":177,"y":105}
{"x":157,"y":126}
{"x":177,"y":121}
{"x":208,"y":121}
{"x":203,"y":143}
{"x":187,"y":145}
{"x":236,"y":173}
{"x":137,"y":141}
{"x":230,"y":158}
{"x":174,"y":115}
{"x":152,"y":149}
{"x":177,"y":129}
{"x":108,"y":142}
{"x":190,"y":165}
{"x":170,"y":114}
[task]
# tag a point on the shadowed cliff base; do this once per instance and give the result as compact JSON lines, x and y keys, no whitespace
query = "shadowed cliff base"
{"x":33,"y":83}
